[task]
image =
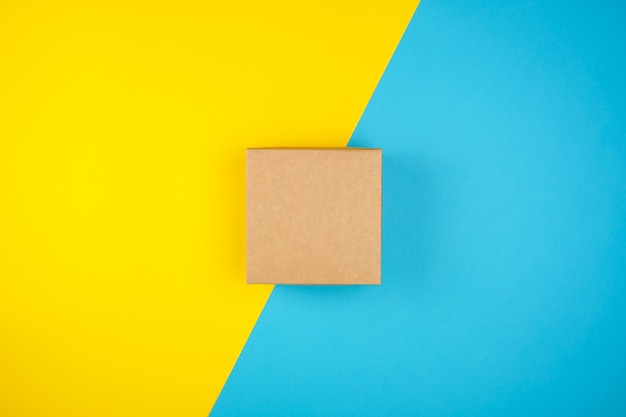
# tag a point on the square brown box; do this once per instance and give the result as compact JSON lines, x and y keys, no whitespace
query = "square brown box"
{"x":313,"y":215}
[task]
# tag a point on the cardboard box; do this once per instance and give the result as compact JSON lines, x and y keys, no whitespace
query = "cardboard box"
{"x":313,"y":215}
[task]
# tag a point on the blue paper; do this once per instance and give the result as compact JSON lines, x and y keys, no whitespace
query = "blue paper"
{"x":503,"y":128}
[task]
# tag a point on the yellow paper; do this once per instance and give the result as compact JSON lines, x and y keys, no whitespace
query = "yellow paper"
{"x":123,"y":128}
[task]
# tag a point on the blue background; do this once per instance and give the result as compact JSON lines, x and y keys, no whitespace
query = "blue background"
{"x":504,"y":232}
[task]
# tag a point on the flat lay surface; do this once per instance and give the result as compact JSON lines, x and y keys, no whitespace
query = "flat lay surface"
{"x":123,"y":136}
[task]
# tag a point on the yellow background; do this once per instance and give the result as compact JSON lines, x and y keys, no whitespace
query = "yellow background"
{"x":122,"y":134}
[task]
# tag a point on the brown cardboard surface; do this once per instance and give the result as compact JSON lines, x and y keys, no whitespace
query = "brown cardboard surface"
{"x":313,"y":215}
